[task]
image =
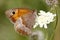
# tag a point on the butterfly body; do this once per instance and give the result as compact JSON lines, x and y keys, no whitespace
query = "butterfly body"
{"x":23,"y":19}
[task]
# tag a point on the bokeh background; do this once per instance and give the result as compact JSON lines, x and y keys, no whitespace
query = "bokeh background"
{"x":7,"y":31}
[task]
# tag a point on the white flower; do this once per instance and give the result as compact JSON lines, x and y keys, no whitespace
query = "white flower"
{"x":44,"y":18}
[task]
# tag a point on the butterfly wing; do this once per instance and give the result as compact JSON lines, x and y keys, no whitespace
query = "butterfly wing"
{"x":23,"y":19}
{"x":21,"y":28}
{"x":29,"y":20}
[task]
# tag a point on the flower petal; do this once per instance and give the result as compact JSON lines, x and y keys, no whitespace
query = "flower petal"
{"x":35,"y":25}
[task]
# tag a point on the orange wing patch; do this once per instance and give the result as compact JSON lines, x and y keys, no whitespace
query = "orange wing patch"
{"x":19,"y":13}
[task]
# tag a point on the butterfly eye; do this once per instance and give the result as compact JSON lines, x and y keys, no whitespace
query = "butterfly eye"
{"x":13,"y":12}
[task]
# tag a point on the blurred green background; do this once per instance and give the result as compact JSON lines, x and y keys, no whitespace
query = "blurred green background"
{"x":7,"y":31}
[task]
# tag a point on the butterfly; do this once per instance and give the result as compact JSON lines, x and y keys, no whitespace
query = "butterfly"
{"x":23,"y":19}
